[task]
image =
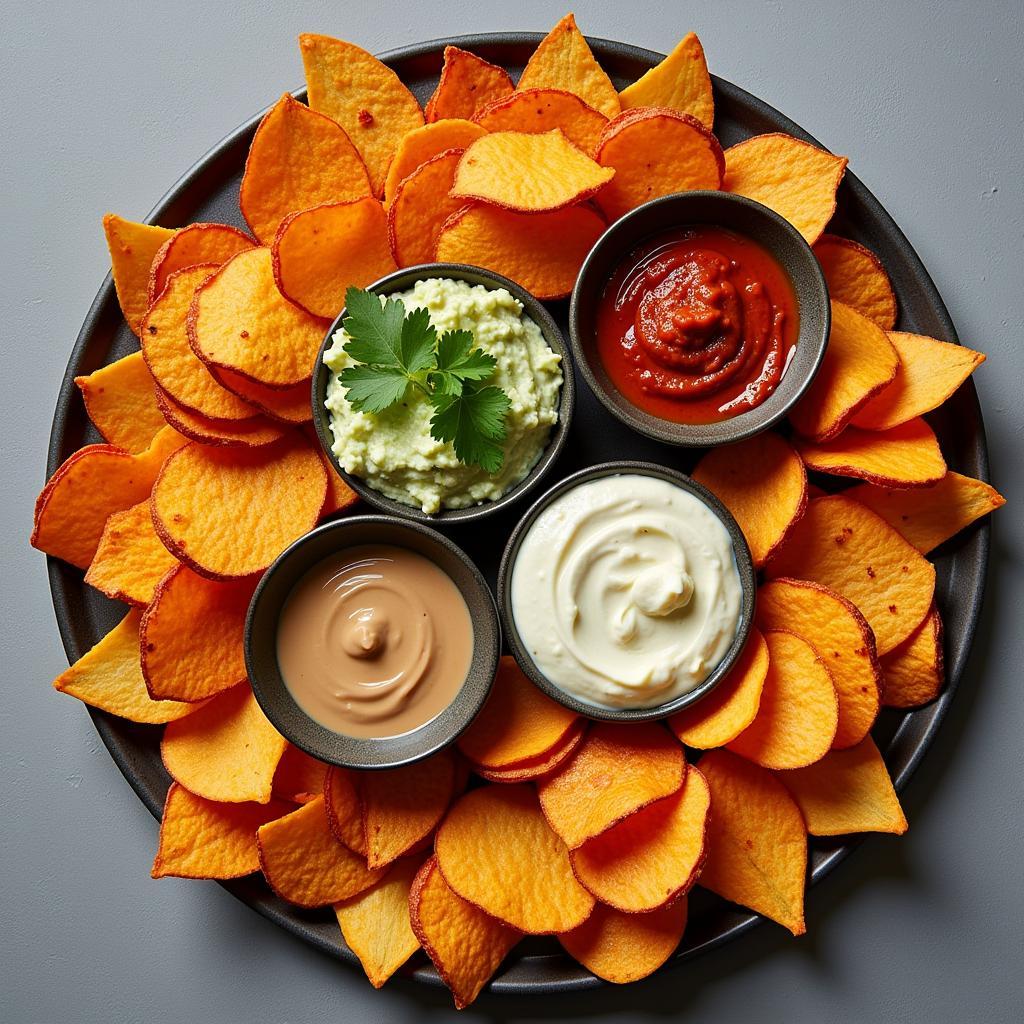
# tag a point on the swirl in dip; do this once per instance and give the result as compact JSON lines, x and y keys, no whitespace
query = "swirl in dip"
{"x":625,"y":591}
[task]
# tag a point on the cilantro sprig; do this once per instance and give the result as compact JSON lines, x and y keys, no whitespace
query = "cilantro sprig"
{"x":394,"y":351}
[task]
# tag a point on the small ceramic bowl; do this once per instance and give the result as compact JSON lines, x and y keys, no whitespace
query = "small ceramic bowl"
{"x":745,"y":217}
{"x":400,"y":281}
{"x":744,"y":565}
{"x":261,"y":643}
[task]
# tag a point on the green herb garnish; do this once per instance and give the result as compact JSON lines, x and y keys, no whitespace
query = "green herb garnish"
{"x":394,"y":351}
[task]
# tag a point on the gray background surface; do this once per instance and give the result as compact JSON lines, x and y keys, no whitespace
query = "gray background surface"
{"x":104,"y":105}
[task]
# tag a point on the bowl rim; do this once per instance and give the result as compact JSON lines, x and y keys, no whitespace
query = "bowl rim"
{"x":398,"y":280}
{"x":744,"y":565}
{"x":745,"y":424}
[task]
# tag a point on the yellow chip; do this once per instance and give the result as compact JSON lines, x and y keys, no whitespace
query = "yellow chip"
{"x":467,"y":85}
{"x":680,"y":82}
{"x":914,"y":673}
{"x":120,"y":399}
{"x":426,"y":142}
{"x":193,"y":245}
{"x":132,"y":248}
{"x":856,"y":277}
{"x":420,"y":208}
{"x":541,"y":110}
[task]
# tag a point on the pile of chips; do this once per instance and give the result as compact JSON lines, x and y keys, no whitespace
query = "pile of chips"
{"x":540,"y":822}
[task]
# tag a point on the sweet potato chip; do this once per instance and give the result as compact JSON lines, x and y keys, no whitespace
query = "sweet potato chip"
{"x":239,"y":321}
{"x":517,"y":723}
{"x":318,"y":253}
{"x":856,"y":277}
{"x":120,"y":399}
{"x":651,"y":857}
{"x":757,"y":840}
{"x":402,"y":806}
{"x":859,"y":362}
{"x":94,"y":483}
{"x":563,"y":60}
{"x":364,"y":96}
{"x":903,"y":456}
{"x":303,"y":862}
{"x":203,"y":839}
{"x":680,"y":82}
{"x":618,"y":769}
{"x":340,"y":496}
{"x":465,"y":944}
{"x":540,"y":110}
{"x":845,"y":546}
{"x":130,"y":560}
{"x":763,"y":483}
{"x":132,"y":248}
{"x":626,"y":947}
{"x":193,"y":245}
{"x":795,"y":179}
{"x":543,"y":252}
{"x":725,"y":712}
{"x":655,"y":151}
{"x":375,"y":923}
{"x":420,"y":208}
{"x":254,"y":432}
{"x":540,"y":766}
{"x":468,"y":83}
{"x":345,"y":808}
{"x":426,"y":142}
{"x":109,"y":677}
{"x":914,"y":673}
{"x":229,"y":512}
{"x":528,"y":173}
{"x":289,"y":405}
{"x":930,"y":371}
{"x":299,"y":778}
{"x":298,"y":158}
{"x":496,"y":850}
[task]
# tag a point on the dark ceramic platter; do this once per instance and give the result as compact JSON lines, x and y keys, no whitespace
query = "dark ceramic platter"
{"x":209,"y":192}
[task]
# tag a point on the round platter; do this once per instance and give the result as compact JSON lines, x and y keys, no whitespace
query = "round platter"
{"x":209,"y":192}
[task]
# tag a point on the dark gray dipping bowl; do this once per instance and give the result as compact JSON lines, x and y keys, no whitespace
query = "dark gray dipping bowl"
{"x":261,"y":644}
{"x":535,"y":310}
{"x":745,"y":217}
{"x":744,"y":564}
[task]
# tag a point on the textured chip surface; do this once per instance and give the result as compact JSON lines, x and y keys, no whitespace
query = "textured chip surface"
{"x":680,"y":82}
{"x":120,"y":399}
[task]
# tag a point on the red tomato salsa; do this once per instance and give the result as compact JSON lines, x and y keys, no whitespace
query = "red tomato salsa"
{"x":697,"y":325}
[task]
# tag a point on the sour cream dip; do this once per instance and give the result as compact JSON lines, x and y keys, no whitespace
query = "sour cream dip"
{"x":625,"y":591}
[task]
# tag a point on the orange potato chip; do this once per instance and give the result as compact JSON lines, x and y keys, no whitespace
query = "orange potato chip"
{"x":375,"y":922}
{"x":364,"y":96}
{"x":339,"y":495}
{"x":794,"y":178}
{"x":467,"y":85}
{"x":466,"y":945}
{"x":227,"y":751}
{"x":254,"y":432}
{"x":859,"y":362}
{"x":345,"y":808}
{"x":89,"y":487}
{"x":537,"y":767}
{"x":130,"y":559}
{"x":426,"y":142}
{"x":799,"y":711}
{"x":420,"y":207}
{"x":496,"y":850}
{"x":620,"y":768}
{"x":654,"y":152}
{"x":914,"y":673}
{"x":543,"y":252}
{"x":402,"y":806}
{"x":109,"y":677}
{"x":318,"y":253}
{"x":757,"y":840}
{"x":563,"y":60}
{"x":651,"y":857}
{"x":845,"y":546}
{"x":239,"y":321}
{"x":843,"y":641}
{"x":930,"y":371}
{"x":193,"y":245}
{"x":298,"y":158}
{"x":680,"y":82}
{"x":303,"y":862}
{"x":725,"y":712}
{"x":856,"y":277}
{"x":903,"y":456}
{"x":626,"y":947}
{"x":204,"y":839}
{"x":299,"y":778}
{"x":517,"y":723}
{"x":132,"y":248}
{"x":120,"y":399}
{"x":191,"y":636}
{"x":289,"y":405}
{"x":540,"y":110}
{"x":763,"y":483}
{"x":229,"y":512}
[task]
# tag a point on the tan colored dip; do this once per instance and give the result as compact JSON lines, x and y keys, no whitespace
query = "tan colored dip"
{"x":374,"y":641}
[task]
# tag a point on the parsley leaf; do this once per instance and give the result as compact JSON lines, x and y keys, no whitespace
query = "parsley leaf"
{"x":474,"y":422}
{"x":418,"y":341}
{"x":374,"y":388}
{"x":375,"y":331}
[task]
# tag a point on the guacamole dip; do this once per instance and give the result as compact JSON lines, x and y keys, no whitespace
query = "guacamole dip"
{"x":393,"y":450}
